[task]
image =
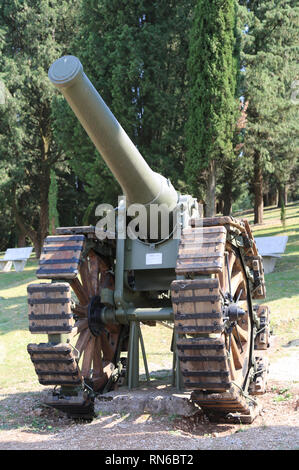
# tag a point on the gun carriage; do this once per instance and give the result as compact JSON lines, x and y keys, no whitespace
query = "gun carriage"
{"x":101,"y":288}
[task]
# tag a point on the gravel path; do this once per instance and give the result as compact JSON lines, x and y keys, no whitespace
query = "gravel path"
{"x":27,"y":425}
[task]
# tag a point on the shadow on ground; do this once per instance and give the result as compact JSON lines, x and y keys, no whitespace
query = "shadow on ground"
{"x":27,"y":411}
{"x":26,"y":424}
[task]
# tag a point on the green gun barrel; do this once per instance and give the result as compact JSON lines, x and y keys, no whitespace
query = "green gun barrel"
{"x":139,"y":183}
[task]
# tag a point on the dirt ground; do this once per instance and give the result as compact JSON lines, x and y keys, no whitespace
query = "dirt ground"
{"x":27,"y":425}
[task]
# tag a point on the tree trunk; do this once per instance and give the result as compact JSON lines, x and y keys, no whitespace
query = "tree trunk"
{"x":273,"y":197}
{"x":227,"y":209}
{"x":38,"y":235}
{"x":282,"y":195}
{"x":220,"y":206}
{"x":266,"y":199}
{"x":43,"y":215}
{"x":52,"y":226}
{"x":211,"y":190}
{"x":21,"y":239}
{"x":258,"y":190}
{"x":37,"y":248}
{"x":227,"y":193}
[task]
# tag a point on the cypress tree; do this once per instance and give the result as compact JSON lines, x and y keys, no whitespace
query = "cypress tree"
{"x":212,"y":73}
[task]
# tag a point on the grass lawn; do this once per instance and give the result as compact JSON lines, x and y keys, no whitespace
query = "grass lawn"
{"x":283,"y":284}
{"x":15,"y":366}
{"x":16,"y":369}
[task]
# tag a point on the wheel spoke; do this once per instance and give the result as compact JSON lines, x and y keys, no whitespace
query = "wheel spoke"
{"x":231,"y":261}
{"x":231,"y":364}
{"x":85,"y":278}
{"x":236,"y":353}
{"x":97,"y":359}
{"x":222,"y":280}
{"x":87,"y":357}
{"x":79,"y":326}
{"x":232,"y":368}
{"x":94,"y":269}
{"x":79,"y":291}
{"x":80,"y":311}
{"x":83,"y":340}
{"x":243,"y":334}
{"x":236,"y":281}
{"x":108,"y":350}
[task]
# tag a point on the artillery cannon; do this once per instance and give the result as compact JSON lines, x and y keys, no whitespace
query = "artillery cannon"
{"x":202,"y":276}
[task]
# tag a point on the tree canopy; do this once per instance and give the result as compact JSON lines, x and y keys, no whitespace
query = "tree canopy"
{"x":203,"y":89}
{"x":212,"y":105}
{"x":32,"y":35}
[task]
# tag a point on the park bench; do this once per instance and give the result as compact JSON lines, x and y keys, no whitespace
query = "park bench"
{"x":17,"y":257}
{"x":271,"y":249}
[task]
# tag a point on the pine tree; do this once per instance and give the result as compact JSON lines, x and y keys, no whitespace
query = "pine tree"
{"x":33,"y":35}
{"x":212,"y":105}
{"x":135,"y":54}
{"x":231,"y":178}
{"x":269,"y":58}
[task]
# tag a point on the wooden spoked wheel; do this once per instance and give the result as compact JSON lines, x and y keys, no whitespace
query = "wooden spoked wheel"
{"x":96,"y":351}
{"x":214,"y":322}
{"x":238,"y":338}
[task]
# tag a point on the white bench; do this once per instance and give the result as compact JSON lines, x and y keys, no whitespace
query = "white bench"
{"x":271,"y":248}
{"x":17,"y":257}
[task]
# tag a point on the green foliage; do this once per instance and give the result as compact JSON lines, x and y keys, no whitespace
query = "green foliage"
{"x":269,"y":58}
{"x":7,"y":223}
{"x":53,"y":213}
{"x":32,"y":35}
{"x":135,"y":54}
{"x":283,"y":395}
{"x":244,"y":201}
{"x":213,"y":73}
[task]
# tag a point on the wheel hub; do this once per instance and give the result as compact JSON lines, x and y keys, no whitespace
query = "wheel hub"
{"x":233,"y":312}
{"x":95,"y":323}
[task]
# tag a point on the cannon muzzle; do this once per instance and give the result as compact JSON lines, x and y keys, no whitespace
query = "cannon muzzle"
{"x":139,"y":183}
